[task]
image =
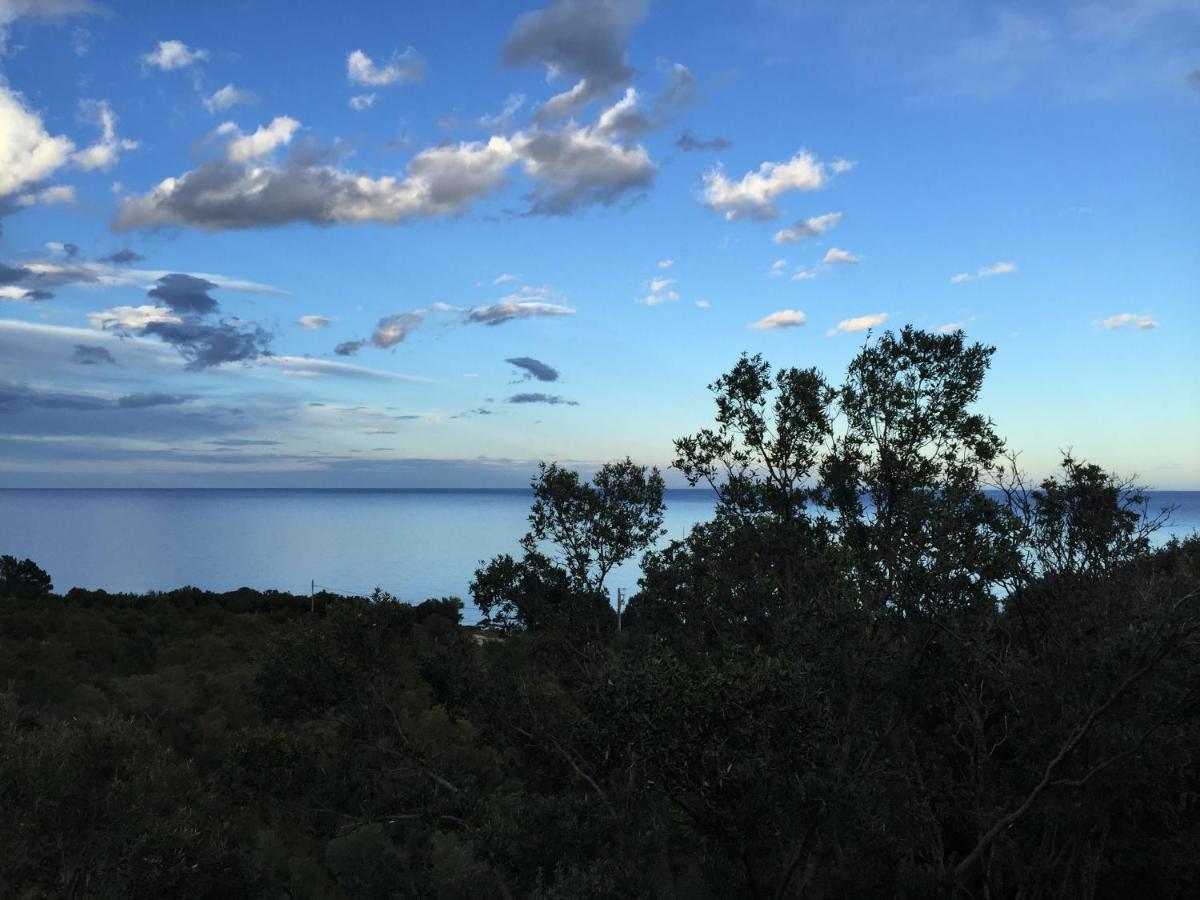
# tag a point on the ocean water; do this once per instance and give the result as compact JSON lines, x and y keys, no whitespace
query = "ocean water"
{"x":415,"y":544}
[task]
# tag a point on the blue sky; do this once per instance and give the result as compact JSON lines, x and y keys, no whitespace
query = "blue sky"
{"x":301,"y":244}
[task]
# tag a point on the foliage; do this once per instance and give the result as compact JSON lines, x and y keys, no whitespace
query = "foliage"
{"x":890,"y":665}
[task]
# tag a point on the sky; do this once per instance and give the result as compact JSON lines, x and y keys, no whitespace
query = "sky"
{"x":428,"y":245}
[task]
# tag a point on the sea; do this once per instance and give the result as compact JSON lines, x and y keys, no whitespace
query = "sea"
{"x":415,"y":544}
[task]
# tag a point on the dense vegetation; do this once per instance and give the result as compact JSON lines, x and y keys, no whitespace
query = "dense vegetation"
{"x":866,"y":676}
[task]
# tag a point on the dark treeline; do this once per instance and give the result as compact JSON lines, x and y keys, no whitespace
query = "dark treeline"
{"x":889,"y":666}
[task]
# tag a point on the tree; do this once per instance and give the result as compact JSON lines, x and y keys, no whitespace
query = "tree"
{"x":579,"y":532}
{"x":23,"y":579}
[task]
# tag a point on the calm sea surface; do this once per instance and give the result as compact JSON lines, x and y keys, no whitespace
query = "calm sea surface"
{"x":415,"y":544}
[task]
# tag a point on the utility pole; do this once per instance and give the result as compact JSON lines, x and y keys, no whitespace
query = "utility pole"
{"x":620,"y":603}
{"x":312,"y":596}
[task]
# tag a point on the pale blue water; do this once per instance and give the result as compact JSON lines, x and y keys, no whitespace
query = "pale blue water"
{"x":415,"y":544}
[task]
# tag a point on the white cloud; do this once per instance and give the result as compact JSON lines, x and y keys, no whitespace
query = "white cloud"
{"x":246,"y":147}
{"x":312,"y":323}
{"x":227,"y":98}
{"x":784,"y":318}
{"x":813,"y":227}
{"x":105,"y":153}
{"x":28,"y":154}
{"x":666,"y":263}
{"x":803,"y":274}
{"x":843,"y":257}
{"x":131,"y":318}
{"x":839,"y":165}
{"x":753,"y":196}
{"x":859,"y":323}
{"x":169,"y":55}
{"x":658,"y":284}
{"x":778,"y":267}
{"x":504,"y":277}
{"x":359,"y":102}
{"x":571,"y":167}
{"x":1139,"y":321}
{"x":400,"y":68}
{"x":1000,"y":268}
{"x":703,"y":304}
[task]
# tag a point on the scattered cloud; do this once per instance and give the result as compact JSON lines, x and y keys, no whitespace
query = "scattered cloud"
{"x":571,"y":167}
{"x":314,"y":323}
{"x":550,"y":399}
{"x":533,"y":368}
{"x":91,"y":355}
{"x":784,"y":318}
{"x":689,"y":142}
{"x":1000,"y":268}
{"x":703,"y":304}
{"x":171,"y":55}
{"x":666,"y":263}
{"x":778,"y":267}
{"x":227,"y":98}
{"x":67,"y":250}
{"x":803,"y":274}
{"x":349,"y":348}
{"x":581,"y":39}
{"x":400,"y":68}
{"x":182,"y":323}
{"x":504,"y":277}
{"x":838,"y":256}
{"x":753,"y":195}
{"x":813,"y":227}
{"x":359,"y":102}
{"x":1139,"y":321}
{"x":859,"y":323}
